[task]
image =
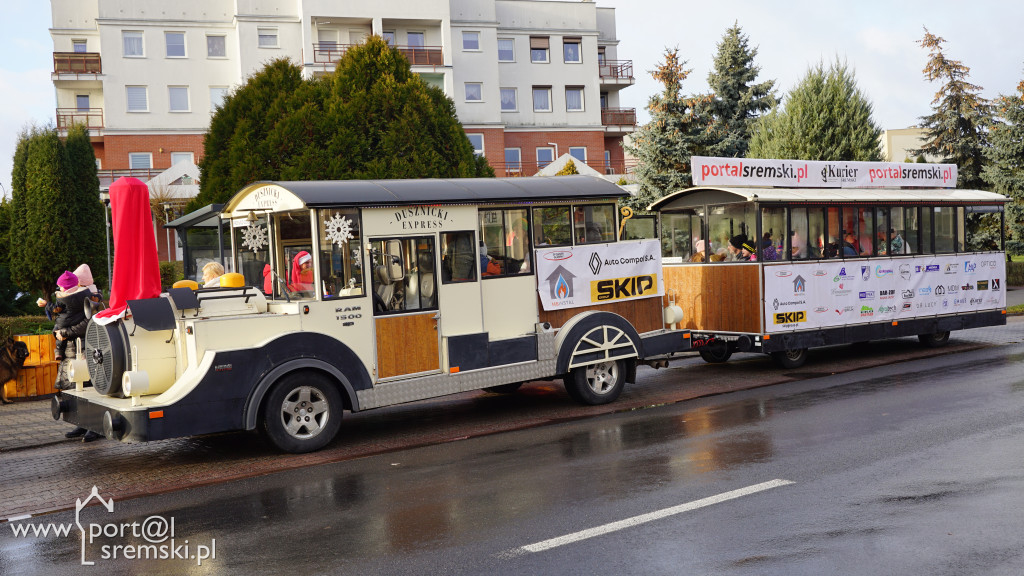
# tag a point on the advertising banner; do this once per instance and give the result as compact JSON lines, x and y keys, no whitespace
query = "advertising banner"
{"x":814,"y":174}
{"x":575,"y":276}
{"x":823,"y":294}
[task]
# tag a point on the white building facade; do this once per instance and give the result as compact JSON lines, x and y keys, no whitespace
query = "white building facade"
{"x":531,"y":79}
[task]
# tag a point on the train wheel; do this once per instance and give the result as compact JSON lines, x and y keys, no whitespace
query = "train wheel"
{"x":936,"y":340}
{"x":716,"y":353}
{"x":302,"y":413}
{"x":504,"y":388}
{"x":790,"y":358}
{"x":597,"y":383}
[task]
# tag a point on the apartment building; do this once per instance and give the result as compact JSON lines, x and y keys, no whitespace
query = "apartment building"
{"x":531,"y":79}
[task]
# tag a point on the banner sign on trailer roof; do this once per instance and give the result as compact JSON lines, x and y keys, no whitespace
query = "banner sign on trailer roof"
{"x":817,"y":174}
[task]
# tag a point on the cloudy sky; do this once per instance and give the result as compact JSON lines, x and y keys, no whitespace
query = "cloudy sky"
{"x":877,"y":39}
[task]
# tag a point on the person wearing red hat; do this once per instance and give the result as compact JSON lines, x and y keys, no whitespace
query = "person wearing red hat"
{"x":302,"y":273}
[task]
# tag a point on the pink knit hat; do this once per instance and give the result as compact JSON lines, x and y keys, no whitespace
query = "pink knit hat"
{"x":67,"y":280}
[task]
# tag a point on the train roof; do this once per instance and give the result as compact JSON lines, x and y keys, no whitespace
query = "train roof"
{"x":329,"y":193}
{"x":702,"y":195}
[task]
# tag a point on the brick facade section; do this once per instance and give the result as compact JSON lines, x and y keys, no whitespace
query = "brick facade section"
{"x":528,"y":142}
{"x":113,"y":151}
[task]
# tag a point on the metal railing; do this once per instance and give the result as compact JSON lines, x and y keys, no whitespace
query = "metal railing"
{"x":107,"y":177}
{"x":91,"y":117}
{"x":618,"y":116}
{"x":77,"y":63}
{"x":529,"y":168}
{"x":330,"y":53}
{"x":616,"y":69}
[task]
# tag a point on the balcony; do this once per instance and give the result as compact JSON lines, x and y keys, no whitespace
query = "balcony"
{"x":329,"y":53}
{"x":529,"y":168}
{"x":107,"y":177}
{"x":92,"y":118}
{"x":615,"y":72}
{"x":618,"y":117}
{"x":77,"y":63}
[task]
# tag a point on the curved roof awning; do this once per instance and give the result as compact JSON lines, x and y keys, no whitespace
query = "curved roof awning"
{"x":699,"y":196}
{"x":275,"y":196}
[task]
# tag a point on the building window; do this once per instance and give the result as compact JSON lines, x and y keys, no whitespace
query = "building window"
{"x":178,"y":98}
{"x":389,"y":37}
{"x":177,"y":157}
{"x":216,"y":47}
{"x":415,"y":39}
{"x":266,"y":37}
{"x":571,"y":50}
{"x":78,"y":46}
{"x":509,"y":101}
{"x":506,"y":50}
{"x":477,"y":140}
{"x":574,"y":98}
{"x":137,"y":98}
{"x":539,"y":49}
{"x":217,"y":96}
{"x":175,"y":42}
{"x":140,"y":160}
{"x":513,"y":160}
{"x":542,"y":99}
{"x":471,"y":41}
{"x":579,"y":153}
{"x":82,"y":102}
{"x":545,"y":156}
{"x":474,"y":92}
{"x":132,"y":44}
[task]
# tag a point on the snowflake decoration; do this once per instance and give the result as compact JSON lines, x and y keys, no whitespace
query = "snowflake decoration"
{"x":338,"y":229}
{"x":255,"y":237}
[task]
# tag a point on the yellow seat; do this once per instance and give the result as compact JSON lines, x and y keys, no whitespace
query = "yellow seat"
{"x":186,"y":284}
{"x":232,"y":280}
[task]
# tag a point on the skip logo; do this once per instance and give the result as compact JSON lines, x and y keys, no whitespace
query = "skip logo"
{"x":621,"y":288}
{"x":790,"y":317}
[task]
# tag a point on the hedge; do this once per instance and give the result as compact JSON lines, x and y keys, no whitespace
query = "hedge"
{"x":12,"y":325}
{"x":1015,"y":273}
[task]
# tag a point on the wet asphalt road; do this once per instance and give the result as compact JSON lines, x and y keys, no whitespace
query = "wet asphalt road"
{"x":910,"y":468}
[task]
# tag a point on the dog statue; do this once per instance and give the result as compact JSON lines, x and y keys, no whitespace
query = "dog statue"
{"x":12,"y":358}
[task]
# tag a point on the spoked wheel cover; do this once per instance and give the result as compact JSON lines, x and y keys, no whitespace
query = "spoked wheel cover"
{"x":602,"y":378}
{"x":305,"y":412}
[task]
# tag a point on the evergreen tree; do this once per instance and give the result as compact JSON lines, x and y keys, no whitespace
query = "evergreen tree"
{"x":664,"y":145}
{"x":372,"y":118}
{"x":1005,"y":168}
{"x":737,"y":101}
{"x":83,"y":192}
{"x":568,"y":170}
{"x":825,"y":117}
{"x":955,"y":130}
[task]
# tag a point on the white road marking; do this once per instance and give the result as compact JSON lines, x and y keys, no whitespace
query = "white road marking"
{"x":16,"y":518}
{"x":644,"y":518}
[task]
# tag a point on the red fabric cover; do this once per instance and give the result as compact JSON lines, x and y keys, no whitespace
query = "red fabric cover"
{"x":136,"y":268}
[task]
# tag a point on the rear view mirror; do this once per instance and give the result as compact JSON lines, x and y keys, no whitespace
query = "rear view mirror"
{"x":393,"y":260}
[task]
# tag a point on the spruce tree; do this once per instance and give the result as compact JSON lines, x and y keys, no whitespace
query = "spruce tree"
{"x":737,"y":100}
{"x":825,"y":117}
{"x":1005,"y":168}
{"x":676,"y":131}
{"x":955,"y":131}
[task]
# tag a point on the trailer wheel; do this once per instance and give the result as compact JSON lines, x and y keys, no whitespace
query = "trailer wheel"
{"x":596,"y":384}
{"x":936,"y":340}
{"x":716,"y":353}
{"x":790,"y":358}
{"x":302,"y":413}
{"x":504,"y":388}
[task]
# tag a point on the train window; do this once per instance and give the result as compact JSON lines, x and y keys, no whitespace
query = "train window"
{"x":459,"y":257}
{"x":552,"y":226}
{"x":960,"y":232}
{"x":910,"y":227}
{"x":982,"y":227}
{"x":594,"y":224}
{"x":253,"y":256}
{"x":945,"y":229}
{"x":927,"y":247}
{"x":730,"y":225}
{"x":403,"y":274}
{"x":682,"y":237}
{"x":830,"y":242}
{"x":882,"y":231}
{"x":773,"y":237}
{"x":341,"y":269}
{"x":640,"y":227}
{"x":506,"y":236}
{"x":798,"y":243}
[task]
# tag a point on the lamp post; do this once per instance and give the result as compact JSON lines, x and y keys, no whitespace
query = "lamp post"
{"x":105,"y":198}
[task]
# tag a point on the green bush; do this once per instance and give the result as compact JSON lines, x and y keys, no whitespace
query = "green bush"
{"x":1015,"y":273}
{"x":171,"y":272}
{"x":12,"y":325}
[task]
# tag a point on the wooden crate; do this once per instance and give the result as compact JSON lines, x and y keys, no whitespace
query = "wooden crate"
{"x":38,"y":375}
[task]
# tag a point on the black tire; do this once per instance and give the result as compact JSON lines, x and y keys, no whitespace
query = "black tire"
{"x":936,"y":340}
{"x":790,"y":359}
{"x":716,"y":353}
{"x":504,"y":388}
{"x":312,"y":392}
{"x":597,"y":384}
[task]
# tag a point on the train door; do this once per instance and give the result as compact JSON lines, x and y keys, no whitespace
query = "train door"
{"x":406,"y":314}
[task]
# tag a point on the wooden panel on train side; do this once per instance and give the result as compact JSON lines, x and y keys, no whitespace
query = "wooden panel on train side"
{"x":644,"y":314}
{"x":406,"y":345}
{"x":725,"y":297}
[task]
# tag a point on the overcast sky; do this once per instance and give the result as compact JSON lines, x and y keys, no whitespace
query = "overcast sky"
{"x":877,"y":39}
